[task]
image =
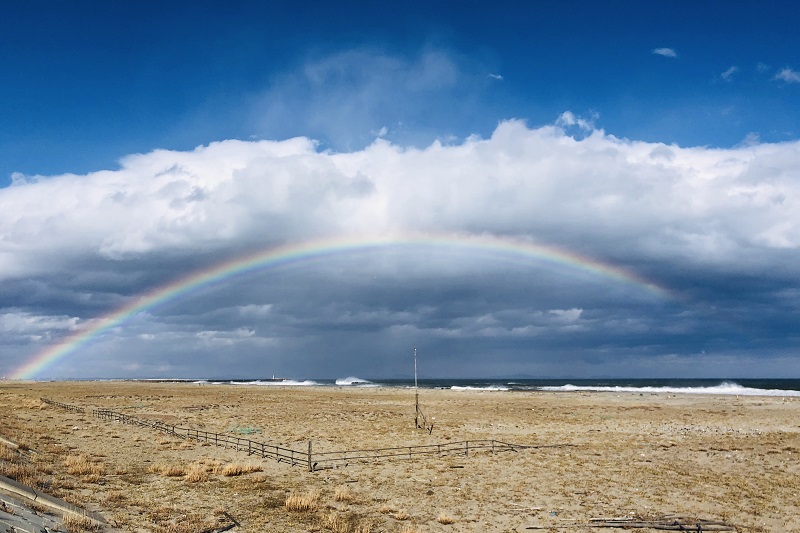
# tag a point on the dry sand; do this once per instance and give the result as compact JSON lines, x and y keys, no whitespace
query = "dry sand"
{"x":598,"y":455}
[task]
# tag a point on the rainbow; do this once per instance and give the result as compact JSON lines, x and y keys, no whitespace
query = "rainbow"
{"x":314,"y":249}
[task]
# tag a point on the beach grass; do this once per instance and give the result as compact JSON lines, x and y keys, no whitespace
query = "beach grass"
{"x":594,"y":455}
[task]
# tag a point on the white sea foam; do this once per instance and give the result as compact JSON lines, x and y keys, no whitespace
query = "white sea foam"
{"x":354,"y":381}
{"x":487,"y":388}
{"x":281,"y":383}
{"x":726,"y":389}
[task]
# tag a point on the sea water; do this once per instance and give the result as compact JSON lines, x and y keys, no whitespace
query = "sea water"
{"x":731,"y":387}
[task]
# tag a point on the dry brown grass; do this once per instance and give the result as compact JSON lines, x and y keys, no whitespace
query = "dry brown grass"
{"x":339,"y":522}
{"x":637,"y":454}
{"x":402,"y":514}
{"x":115,"y":496}
{"x":77,"y":524}
{"x":200,"y":470}
{"x":171,"y":470}
{"x":7,"y":453}
{"x":196,"y":473}
{"x":83,"y":465}
{"x":25,"y":474}
{"x":303,"y":502}
{"x":344,"y":494}
{"x":446,"y":519}
{"x":237,"y":469}
{"x":336,"y":522}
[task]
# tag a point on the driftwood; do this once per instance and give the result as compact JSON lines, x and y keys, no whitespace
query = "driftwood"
{"x":667,"y":523}
{"x":233,"y":523}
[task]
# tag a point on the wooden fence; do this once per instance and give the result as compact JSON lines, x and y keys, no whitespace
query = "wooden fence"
{"x":266,"y":451}
{"x":307,"y":458}
{"x":66,"y":406}
{"x":343,"y":458}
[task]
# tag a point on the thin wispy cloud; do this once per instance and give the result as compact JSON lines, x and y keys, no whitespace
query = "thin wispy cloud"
{"x":788,"y":75}
{"x":728,"y":74}
{"x":496,"y":76}
{"x":665,"y":52}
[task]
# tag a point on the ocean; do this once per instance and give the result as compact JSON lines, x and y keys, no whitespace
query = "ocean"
{"x":731,"y":387}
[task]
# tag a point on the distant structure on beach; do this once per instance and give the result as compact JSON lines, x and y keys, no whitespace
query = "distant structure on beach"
{"x":420,"y":421}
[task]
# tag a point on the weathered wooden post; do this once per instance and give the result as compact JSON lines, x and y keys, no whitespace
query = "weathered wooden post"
{"x":310,"y":466}
{"x":416,"y":392}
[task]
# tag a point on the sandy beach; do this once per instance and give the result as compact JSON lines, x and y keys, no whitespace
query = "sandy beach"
{"x":593,"y":455}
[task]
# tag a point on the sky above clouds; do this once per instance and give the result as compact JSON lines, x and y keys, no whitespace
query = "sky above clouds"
{"x":538,"y":190}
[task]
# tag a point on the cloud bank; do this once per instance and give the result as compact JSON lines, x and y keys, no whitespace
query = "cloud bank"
{"x":718,"y":227}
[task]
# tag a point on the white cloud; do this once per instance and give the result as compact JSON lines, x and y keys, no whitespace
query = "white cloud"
{"x":788,"y":75}
{"x":666,"y":52}
{"x":642,"y":199}
{"x":496,"y":76}
{"x":728,"y":74}
{"x":569,"y":119}
{"x":21,"y":323}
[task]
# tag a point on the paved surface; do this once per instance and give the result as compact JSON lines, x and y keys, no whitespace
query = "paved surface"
{"x":16,"y":516}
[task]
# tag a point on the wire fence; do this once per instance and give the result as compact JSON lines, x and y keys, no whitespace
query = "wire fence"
{"x":313,"y":461}
{"x":68,"y":407}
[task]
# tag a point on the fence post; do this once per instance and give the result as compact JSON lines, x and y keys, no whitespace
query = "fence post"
{"x":466,"y":448}
{"x":310,"y":466}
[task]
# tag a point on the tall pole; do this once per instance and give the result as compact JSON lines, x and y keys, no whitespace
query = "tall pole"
{"x":416,"y":391}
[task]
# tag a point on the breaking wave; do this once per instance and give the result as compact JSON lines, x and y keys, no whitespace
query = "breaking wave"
{"x":726,"y":388}
{"x":353,"y":381}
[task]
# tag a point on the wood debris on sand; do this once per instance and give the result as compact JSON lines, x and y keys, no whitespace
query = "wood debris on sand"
{"x":667,"y":523}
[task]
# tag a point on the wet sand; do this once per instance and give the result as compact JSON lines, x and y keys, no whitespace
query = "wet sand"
{"x":594,"y":455}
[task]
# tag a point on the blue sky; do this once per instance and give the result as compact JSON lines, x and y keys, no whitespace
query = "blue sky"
{"x":87,"y":83}
{"x":142,"y":141}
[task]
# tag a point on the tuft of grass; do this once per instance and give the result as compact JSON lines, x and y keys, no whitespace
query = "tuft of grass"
{"x":344,"y":494}
{"x":386,"y":509}
{"x":307,"y":501}
{"x":7,"y":453}
{"x":116,"y":496}
{"x":167,"y":470}
{"x":237,"y":469}
{"x":24,"y":474}
{"x":83,"y":465}
{"x":196,"y":473}
{"x":212,"y":465}
{"x":77,"y":524}
{"x":446,"y":519}
{"x":402,"y":514}
{"x":336,"y":523}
